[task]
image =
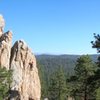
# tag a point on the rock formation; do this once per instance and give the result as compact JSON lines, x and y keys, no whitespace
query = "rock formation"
{"x":25,"y":77}
{"x":5,"y":49}
{"x":2,"y":24}
{"x":19,"y":58}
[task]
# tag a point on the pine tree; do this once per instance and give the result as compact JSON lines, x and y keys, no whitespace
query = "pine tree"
{"x":44,"y":93}
{"x":57,"y":88}
{"x":96,"y":44}
{"x":84,"y":70}
{"x":98,"y":94}
{"x":5,"y":81}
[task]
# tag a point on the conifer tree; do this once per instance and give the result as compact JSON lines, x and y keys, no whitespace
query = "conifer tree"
{"x":5,"y":81}
{"x":84,"y":70}
{"x":44,"y":91}
{"x":98,"y":94}
{"x":57,"y":88}
{"x":96,"y":44}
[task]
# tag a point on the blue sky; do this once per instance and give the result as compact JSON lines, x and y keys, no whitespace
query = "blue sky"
{"x":53,"y":26}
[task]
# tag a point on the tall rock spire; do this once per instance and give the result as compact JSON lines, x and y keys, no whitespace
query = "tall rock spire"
{"x":25,"y":73}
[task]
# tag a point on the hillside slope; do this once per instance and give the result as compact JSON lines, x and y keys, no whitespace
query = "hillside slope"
{"x":52,"y":62}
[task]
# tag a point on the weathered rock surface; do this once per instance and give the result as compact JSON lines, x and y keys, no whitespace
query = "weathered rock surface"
{"x":25,"y":75}
{"x":19,"y":58}
{"x":5,"y":49}
{"x":2,"y":24}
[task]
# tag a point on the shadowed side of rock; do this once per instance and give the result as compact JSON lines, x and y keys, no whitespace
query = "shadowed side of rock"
{"x":25,"y":72}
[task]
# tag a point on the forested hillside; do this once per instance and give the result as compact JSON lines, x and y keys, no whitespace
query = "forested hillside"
{"x":51,"y":62}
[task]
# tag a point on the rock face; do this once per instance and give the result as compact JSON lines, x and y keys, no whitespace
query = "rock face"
{"x":19,"y":58}
{"x":25,"y":77}
{"x":5,"y":49}
{"x":2,"y":24}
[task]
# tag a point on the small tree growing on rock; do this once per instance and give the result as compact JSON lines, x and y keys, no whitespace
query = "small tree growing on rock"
{"x":5,"y":81}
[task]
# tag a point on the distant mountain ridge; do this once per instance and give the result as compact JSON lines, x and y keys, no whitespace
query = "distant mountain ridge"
{"x":52,"y":62}
{"x":94,"y":57}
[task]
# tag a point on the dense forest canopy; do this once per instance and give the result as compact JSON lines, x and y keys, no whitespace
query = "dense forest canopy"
{"x":49,"y":64}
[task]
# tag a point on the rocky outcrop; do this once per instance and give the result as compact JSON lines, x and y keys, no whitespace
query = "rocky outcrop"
{"x":5,"y":45}
{"x":19,"y":58}
{"x":25,"y":74}
{"x":2,"y":24}
{"x":5,"y":49}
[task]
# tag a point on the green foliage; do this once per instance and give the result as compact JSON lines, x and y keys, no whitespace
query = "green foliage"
{"x":84,"y":67}
{"x":96,"y":44}
{"x":51,"y":62}
{"x":5,"y":81}
{"x":98,"y":94}
{"x":84,"y":70}
{"x":57,"y":87}
{"x":48,"y":64}
{"x":44,"y":89}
